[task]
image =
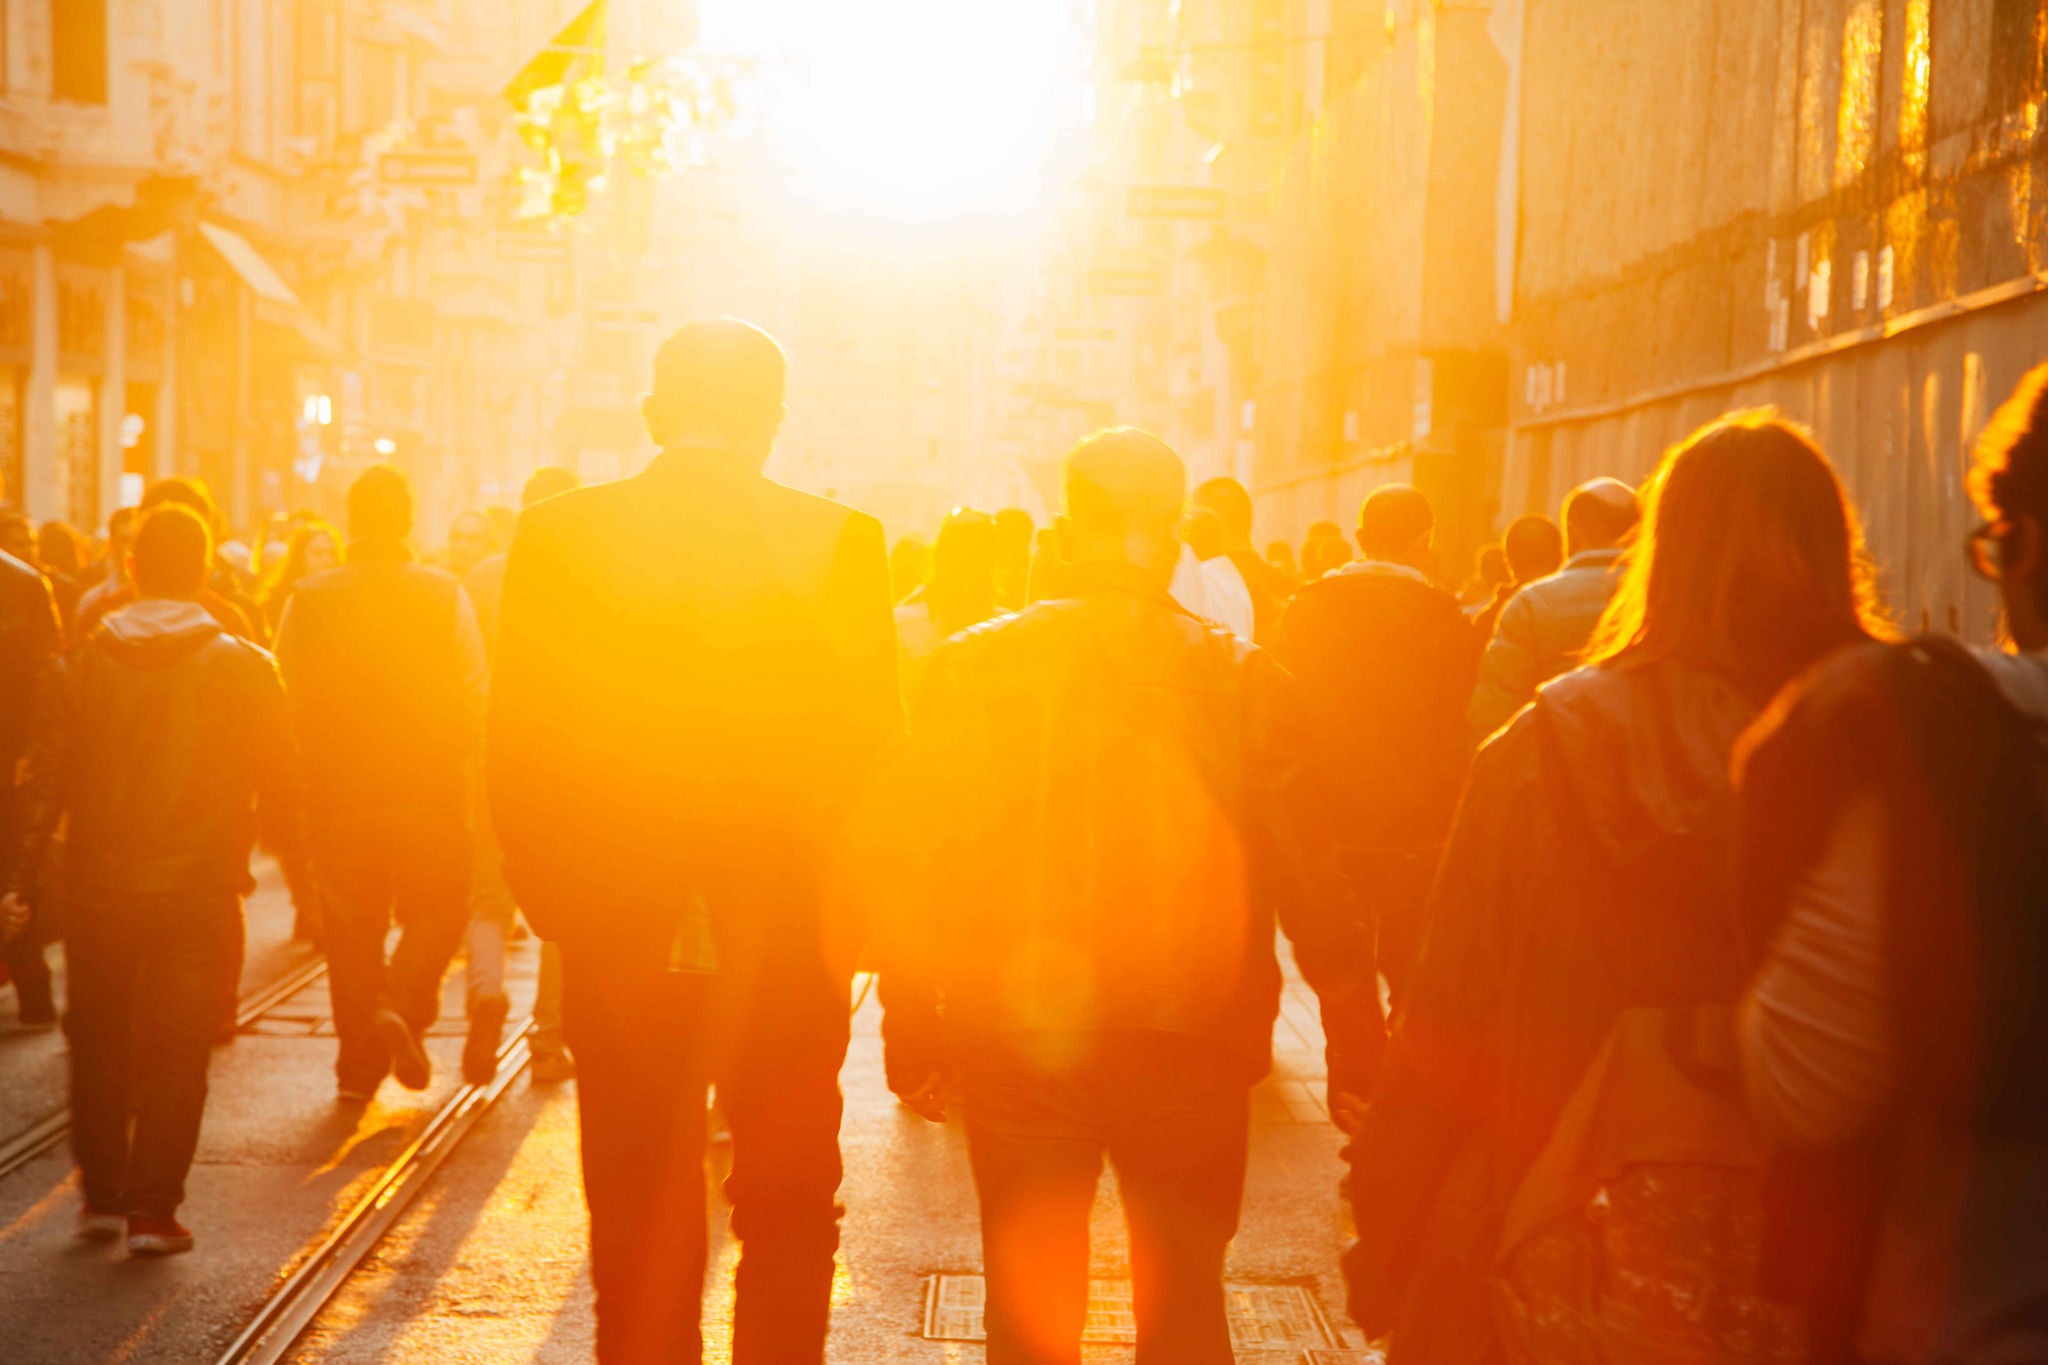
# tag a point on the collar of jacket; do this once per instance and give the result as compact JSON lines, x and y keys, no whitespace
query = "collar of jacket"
{"x":702,"y":462}
{"x":378,"y":552}
{"x":1089,"y":580}
{"x":1595,"y":559}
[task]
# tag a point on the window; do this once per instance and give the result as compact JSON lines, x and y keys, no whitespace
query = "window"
{"x":78,"y":51}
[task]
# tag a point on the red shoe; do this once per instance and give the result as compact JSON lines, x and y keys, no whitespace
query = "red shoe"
{"x":157,"y":1234}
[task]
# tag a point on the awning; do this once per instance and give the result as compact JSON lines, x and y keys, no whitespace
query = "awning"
{"x":276,"y":304}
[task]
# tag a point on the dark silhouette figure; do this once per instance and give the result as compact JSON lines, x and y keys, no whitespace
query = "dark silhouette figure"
{"x":1080,"y":925}
{"x":1270,"y":587}
{"x":695,"y":676}
{"x":158,"y":736}
{"x":1545,"y":629}
{"x":1384,"y":659}
{"x":1587,"y":879}
{"x":385,"y":667}
{"x":1895,"y":856}
{"x":30,"y":637}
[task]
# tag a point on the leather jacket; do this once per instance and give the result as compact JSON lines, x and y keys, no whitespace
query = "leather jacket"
{"x":158,"y":735}
{"x":1093,"y":787}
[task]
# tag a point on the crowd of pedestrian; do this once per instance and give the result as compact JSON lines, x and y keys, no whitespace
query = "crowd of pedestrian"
{"x":1680,"y":930}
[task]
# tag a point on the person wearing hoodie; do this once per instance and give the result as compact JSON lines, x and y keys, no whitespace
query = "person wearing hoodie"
{"x":164,"y":739}
{"x":1588,"y":875}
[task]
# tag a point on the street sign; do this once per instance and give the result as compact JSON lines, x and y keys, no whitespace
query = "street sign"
{"x":533,"y":246}
{"x":1128,"y":283}
{"x":1178,"y":201}
{"x":427,"y":168}
{"x":1084,"y":332}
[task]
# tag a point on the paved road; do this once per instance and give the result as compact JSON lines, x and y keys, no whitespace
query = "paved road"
{"x":490,"y":1267}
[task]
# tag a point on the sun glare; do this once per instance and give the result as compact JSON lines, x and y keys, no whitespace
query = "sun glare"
{"x":919,"y":108}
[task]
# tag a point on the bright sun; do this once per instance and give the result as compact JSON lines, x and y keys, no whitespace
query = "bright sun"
{"x":915,"y":107}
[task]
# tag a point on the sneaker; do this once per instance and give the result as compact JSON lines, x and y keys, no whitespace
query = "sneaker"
{"x":553,"y":1068}
{"x":157,"y":1234}
{"x":355,"y":1094}
{"x":486,"y":1030}
{"x":409,"y":1060}
{"x":40,"y":1016}
{"x":97,"y":1225}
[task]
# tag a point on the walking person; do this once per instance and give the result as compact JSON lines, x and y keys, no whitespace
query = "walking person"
{"x":493,"y":911}
{"x":1270,"y":587}
{"x":30,"y":637}
{"x":1587,"y":882}
{"x":1079,"y":921}
{"x":1895,"y":847}
{"x":695,"y":676}
{"x":163,"y":739}
{"x":1545,"y":629}
{"x":1384,"y":661}
{"x":385,"y":668}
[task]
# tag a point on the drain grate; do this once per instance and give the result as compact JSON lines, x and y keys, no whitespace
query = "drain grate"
{"x":1263,"y":1317}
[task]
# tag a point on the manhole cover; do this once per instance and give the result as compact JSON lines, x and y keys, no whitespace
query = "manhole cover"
{"x":1262,"y":1316}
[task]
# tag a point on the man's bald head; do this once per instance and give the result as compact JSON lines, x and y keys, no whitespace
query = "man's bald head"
{"x":1599,"y":515}
{"x":1125,"y":490}
{"x":718,"y":382}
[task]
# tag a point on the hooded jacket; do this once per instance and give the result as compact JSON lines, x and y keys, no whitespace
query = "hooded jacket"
{"x":158,"y":735}
{"x":1588,"y":872}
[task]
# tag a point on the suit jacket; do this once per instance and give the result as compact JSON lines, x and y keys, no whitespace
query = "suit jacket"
{"x":695,"y":676}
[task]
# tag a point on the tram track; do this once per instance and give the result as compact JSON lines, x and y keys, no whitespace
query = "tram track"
{"x":301,"y":1295}
{"x":50,"y":1130}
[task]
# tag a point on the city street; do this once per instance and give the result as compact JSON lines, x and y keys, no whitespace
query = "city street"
{"x":489,"y":1265}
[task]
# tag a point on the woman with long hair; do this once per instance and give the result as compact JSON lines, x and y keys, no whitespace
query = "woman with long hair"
{"x":313,"y":548}
{"x":1587,"y":878}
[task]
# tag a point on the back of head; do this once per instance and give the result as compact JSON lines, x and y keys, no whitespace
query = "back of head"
{"x":1124,"y":483}
{"x":1534,"y":547}
{"x":549,"y":481}
{"x":379,"y":507}
{"x":1232,"y":502}
{"x":1749,"y":563}
{"x":966,"y":546}
{"x":60,"y":549}
{"x":183,"y":492}
{"x":171,"y":553}
{"x":1600,"y":514}
{"x":718,"y":381}
{"x":1394,"y":522}
{"x":1205,"y":533}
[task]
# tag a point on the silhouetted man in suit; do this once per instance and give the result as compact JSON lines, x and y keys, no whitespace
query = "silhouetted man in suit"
{"x":696,"y":673}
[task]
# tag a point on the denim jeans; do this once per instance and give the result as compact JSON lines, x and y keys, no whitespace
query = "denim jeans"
{"x":1172,"y":1115}
{"x":146,"y":975}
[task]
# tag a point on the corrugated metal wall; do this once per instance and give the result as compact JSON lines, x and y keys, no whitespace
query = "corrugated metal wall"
{"x":1836,"y":206}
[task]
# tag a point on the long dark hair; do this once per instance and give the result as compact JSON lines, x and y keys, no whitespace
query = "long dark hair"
{"x":1750,"y":560}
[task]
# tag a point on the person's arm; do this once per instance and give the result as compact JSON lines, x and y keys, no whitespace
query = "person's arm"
{"x":1333,"y":943}
{"x":279,"y":780}
{"x":473,"y":664}
{"x":1510,"y":671}
{"x":45,"y":776}
{"x":1818,"y":1056}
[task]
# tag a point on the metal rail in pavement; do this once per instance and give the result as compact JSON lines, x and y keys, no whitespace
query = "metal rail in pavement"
{"x":292,"y":1307}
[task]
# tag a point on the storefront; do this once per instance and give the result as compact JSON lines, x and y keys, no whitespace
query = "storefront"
{"x":17,"y":331}
{"x":82,"y":293}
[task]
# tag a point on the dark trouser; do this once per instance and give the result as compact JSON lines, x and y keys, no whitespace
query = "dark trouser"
{"x":29,"y":969}
{"x":1172,"y":1115}
{"x":145,"y":981}
{"x":374,"y":866}
{"x":645,"y":1051}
